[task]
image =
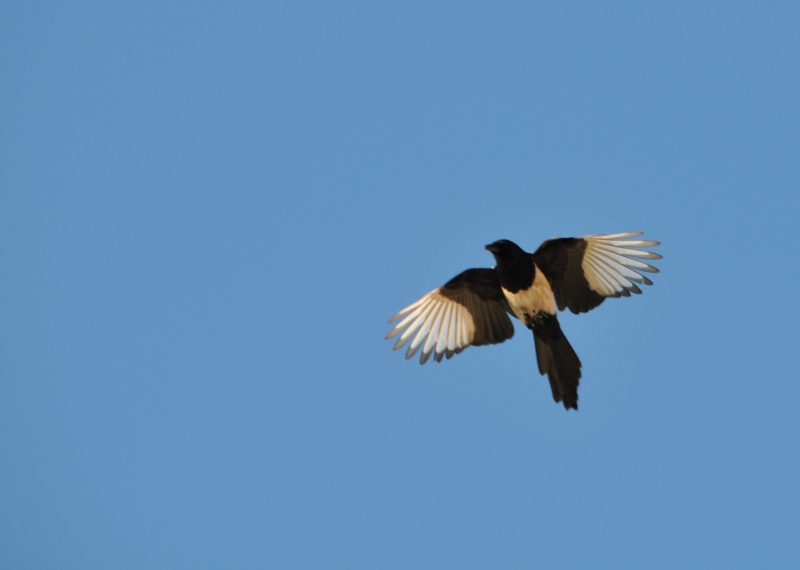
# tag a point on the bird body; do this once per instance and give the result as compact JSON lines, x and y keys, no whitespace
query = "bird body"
{"x":472,"y":308}
{"x":538,"y":297}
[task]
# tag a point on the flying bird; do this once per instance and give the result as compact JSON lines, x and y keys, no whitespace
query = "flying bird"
{"x":473,"y":308}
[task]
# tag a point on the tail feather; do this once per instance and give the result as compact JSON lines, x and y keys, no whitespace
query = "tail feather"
{"x":558,"y":360}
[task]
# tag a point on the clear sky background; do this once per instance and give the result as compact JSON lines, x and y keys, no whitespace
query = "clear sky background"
{"x":208,"y":211}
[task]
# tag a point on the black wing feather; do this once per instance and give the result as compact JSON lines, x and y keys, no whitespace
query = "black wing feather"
{"x":560,"y":260}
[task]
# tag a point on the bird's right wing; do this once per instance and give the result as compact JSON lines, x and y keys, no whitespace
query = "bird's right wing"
{"x":584,"y":271}
{"x":470,"y":309}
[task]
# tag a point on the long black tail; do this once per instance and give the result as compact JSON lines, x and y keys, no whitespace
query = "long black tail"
{"x":557,"y":359}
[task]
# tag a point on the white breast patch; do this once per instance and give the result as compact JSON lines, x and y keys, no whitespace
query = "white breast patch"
{"x":537,"y":297}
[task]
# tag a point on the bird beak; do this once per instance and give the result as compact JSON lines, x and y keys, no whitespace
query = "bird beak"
{"x":491,"y":247}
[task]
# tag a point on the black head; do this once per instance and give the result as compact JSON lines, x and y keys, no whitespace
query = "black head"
{"x":504,"y":249}
{"x":514,"y":265}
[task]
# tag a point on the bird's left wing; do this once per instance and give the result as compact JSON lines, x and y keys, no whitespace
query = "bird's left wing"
{"x":584,"y":271}
{"x":470,"y":309}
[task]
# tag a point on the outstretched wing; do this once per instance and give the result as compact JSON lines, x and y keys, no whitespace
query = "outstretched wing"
{"x":584,"y":271}
{"x":470,"y":309}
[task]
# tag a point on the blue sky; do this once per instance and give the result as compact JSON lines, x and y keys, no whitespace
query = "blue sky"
{"x":208,"y":212}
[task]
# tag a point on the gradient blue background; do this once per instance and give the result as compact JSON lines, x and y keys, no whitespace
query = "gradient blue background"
{"x":209,"y":210}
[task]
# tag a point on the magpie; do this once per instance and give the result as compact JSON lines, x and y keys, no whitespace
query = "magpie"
{"x":473,"y":308}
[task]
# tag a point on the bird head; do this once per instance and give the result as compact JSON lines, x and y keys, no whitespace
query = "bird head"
{"x":506,"y":250}
{"x":503,"y":247}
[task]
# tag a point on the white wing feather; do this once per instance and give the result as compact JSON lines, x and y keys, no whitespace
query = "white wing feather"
{"x":609,"y":265}
{"x":439,"y":326}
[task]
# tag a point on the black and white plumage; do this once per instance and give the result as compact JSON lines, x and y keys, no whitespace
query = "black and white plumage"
{"x":473,"y":308}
